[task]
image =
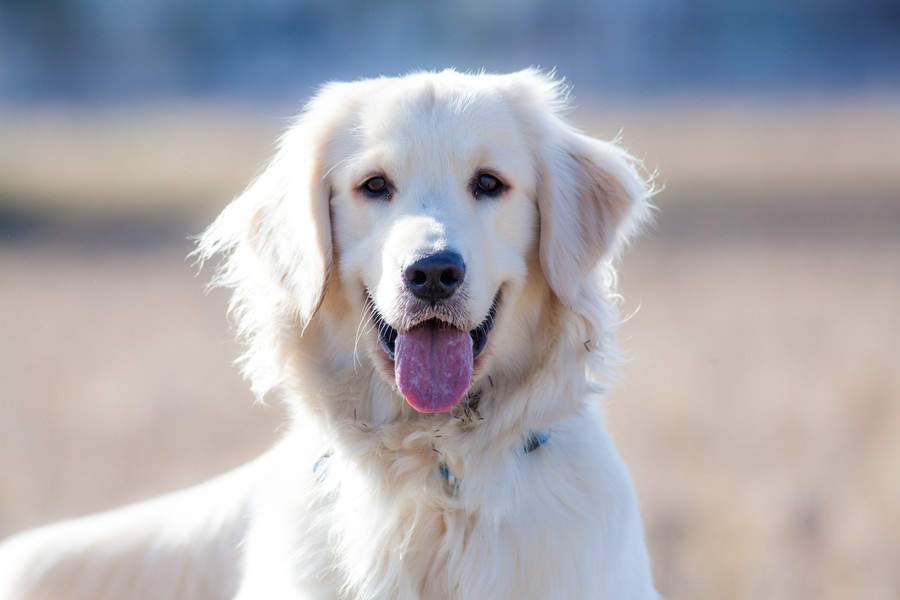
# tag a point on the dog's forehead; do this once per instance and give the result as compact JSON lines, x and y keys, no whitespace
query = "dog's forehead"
{"x":415,"y":120}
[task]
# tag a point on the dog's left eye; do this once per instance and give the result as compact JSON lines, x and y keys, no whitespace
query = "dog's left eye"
{"x":486,"y":184}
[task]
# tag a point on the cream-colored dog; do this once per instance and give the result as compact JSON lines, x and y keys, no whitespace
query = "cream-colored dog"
{"x":423,"y":274}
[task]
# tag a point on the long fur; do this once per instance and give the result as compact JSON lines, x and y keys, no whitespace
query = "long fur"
{"x":351,"y":503}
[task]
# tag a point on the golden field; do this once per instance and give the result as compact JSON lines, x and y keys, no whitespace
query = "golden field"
{"x":759,"y":410}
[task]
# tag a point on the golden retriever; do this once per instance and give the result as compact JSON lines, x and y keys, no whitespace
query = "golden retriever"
{"x":423,"y":274}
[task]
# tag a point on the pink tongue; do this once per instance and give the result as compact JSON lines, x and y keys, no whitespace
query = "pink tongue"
{"x":433,"y":367}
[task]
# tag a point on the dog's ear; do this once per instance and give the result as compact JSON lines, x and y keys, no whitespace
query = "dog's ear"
{"x":276,"y":236}
{"x":591,"y":198}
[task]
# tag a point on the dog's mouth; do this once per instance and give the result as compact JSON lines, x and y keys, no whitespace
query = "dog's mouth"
{"x":433,"y":361}
{"x":387,"y":335}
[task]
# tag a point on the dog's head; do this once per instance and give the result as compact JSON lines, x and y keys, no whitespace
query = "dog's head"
{"x":434,"y":217}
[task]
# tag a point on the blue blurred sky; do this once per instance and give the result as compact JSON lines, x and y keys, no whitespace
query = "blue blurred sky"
{"x":124,"y":50}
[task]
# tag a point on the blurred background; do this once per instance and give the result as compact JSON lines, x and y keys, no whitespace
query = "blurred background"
{"x":760,"y":409}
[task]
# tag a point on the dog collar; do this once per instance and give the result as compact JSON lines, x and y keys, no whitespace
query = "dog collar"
{"x":451,"y":482}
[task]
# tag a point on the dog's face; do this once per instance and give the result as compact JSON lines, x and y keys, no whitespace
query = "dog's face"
{"x":445,"y":210}
{"x":434,"y":215}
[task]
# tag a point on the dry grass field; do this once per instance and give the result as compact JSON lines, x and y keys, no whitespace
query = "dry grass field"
{"x":759,"y":411}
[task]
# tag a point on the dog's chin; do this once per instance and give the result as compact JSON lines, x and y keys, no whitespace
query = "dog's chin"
{"x":398,"y":367}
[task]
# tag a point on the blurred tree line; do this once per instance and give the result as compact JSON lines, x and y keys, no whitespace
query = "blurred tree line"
{"x":93,"y":50}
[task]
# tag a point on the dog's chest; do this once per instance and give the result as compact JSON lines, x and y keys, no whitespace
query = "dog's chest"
{"x":411,"y":539}
{"x":399,"y":549}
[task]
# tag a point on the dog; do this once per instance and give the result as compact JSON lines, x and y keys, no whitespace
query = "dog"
{"x":424,"y":274}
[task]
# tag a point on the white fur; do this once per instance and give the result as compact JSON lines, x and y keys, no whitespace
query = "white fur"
{"x":306,"y":252}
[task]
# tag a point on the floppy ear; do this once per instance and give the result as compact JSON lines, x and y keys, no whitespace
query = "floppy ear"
{"x":276,"y":236}
{"x":590,"y":199}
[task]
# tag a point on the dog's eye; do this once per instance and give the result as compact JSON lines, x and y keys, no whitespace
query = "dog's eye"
{"x":376,"y":187}
{"x":487,"y":185}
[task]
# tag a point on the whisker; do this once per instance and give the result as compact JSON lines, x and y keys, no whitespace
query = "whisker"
{"x":338,"y":164}
{"x":361,"y":328}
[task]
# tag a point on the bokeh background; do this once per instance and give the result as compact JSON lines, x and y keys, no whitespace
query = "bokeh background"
{"x":760,"y":410}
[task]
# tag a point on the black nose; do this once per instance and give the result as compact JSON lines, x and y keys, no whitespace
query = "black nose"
{"x":436,"y":276}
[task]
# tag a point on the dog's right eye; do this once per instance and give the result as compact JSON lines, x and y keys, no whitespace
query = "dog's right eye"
{"x":376,"y":187}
